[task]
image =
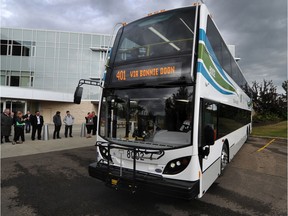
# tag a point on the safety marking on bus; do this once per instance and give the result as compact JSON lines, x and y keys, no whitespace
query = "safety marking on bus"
{"x":266,"y":145}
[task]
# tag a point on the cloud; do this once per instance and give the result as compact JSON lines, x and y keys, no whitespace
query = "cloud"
{"x":73,"y":15}
{"x":258,"y":28}
{"x":259,"y":31}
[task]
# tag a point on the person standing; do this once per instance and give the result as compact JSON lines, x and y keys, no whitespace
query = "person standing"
{"x":19,"y":125}
{"x":94,"y":123}
{"x":6,"y":124}
{"x":27,"y":122}
{"x":57,"y":123}
{"x":68,"y":121}
{"x":37,"y":122}
{"x":89,"y":124}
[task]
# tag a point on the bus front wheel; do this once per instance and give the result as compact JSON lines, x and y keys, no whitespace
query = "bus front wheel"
{"x":224,"y":157}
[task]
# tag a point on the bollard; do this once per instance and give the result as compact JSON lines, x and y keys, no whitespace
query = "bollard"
{"x":46,"y":132}
{"x":83,"y":130}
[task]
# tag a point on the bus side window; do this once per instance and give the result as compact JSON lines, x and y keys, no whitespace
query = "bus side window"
{"x":208,"y":133}
{"x":209,"y":123}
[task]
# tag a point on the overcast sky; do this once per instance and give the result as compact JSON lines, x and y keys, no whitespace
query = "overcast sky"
{"x":258,"y":28}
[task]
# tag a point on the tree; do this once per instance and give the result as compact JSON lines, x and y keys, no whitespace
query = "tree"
{"x":266,"y":102}
{"x":264,"y":97}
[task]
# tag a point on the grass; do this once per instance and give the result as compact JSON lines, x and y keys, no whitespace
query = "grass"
{"x":272,"y":130}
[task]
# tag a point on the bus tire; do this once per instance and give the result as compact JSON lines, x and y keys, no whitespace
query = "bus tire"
{"x":224,"y":158}
{"x":248,"y":133}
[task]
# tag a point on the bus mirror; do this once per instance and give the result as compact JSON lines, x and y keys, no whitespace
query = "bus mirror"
{"x":204,"y":151}
{"x":78,"y":95}
{"x":209,"y":135}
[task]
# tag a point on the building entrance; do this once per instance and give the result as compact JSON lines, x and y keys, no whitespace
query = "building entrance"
{"x":14,"y":105}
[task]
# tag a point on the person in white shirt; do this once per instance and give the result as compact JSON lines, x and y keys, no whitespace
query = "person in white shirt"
{"x":37,"y":122}
{"x":68,"y":121}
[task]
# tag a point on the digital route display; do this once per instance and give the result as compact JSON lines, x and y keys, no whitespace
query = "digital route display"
{"x":146,"y":73}
{"x":175,"y":70}
{"x":141,"y":73}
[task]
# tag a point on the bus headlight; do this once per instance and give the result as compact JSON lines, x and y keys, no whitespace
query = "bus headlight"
{"x":177,"y":165}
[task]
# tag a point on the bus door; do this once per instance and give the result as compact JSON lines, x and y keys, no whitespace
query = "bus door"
{"x":208,"y":156}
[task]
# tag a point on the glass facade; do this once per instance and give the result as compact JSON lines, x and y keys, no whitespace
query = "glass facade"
{"x":52,"y":60}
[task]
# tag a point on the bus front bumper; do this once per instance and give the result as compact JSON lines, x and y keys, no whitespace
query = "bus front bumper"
{"x":142,"y":181}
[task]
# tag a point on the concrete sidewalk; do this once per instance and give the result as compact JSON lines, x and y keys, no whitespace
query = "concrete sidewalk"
{"x":41,"y":146}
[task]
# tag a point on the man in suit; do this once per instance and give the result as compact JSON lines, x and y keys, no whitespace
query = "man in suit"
{"x":37,"y":122}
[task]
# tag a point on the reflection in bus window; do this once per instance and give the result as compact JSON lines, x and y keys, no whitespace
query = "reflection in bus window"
{"x":166,"y":34}
{"x":209,"y":123}
{"x":159,"y":116}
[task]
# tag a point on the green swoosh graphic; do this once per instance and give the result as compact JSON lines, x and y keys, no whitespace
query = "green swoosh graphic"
{"x":213,"y":71}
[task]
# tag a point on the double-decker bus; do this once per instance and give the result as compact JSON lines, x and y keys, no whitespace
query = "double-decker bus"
{"x":173,"y":111}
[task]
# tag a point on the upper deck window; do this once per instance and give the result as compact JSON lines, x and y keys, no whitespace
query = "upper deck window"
{"x":166,"y":34}
{"x":223,"y":55}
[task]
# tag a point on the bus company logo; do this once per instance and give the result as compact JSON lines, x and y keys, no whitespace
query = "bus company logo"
{"x":212,"y":71}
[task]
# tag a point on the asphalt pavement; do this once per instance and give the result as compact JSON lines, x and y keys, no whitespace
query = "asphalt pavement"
{"x":57,"y":183}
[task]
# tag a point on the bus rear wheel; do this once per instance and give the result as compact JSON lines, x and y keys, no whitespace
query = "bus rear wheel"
{"x":224,"y":157}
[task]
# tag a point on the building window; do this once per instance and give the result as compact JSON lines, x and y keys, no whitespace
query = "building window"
{"x":17,"y":78}
{"x":17,"y":48}
{"x":3,"y":78}
{"x":14,"y":81}
{"x":4,"y":48}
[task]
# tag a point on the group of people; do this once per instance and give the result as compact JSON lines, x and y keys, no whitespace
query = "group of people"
{"x":91,"y":124}
{"x":21,"y":122}
{"x":68,"y":121}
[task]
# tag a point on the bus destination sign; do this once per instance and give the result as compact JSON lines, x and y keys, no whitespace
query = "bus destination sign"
{"x":148,"y":73}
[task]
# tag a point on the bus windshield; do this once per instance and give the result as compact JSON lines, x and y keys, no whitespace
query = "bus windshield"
{"x":165,"y":34}
{"x":147,"y":117}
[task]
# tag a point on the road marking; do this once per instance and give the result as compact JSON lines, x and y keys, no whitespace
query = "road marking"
{"x":266,"y":145}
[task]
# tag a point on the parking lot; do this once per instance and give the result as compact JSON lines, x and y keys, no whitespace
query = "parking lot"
{"x":57,"y":183}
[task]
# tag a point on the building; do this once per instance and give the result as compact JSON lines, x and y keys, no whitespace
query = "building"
{"x":40,"y":70}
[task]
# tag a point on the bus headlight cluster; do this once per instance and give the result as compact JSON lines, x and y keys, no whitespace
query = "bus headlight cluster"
{"x":177,"y":165}
{"x":104,"y":153}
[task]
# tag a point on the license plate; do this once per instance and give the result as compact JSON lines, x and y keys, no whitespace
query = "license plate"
{"x":114,"y":181}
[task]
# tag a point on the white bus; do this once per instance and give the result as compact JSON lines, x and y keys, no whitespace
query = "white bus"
{"x":173,"y":111}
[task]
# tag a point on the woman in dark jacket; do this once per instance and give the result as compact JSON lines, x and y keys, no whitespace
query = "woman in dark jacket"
{"x":89,"y":124}
{"x":19,"y":125}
